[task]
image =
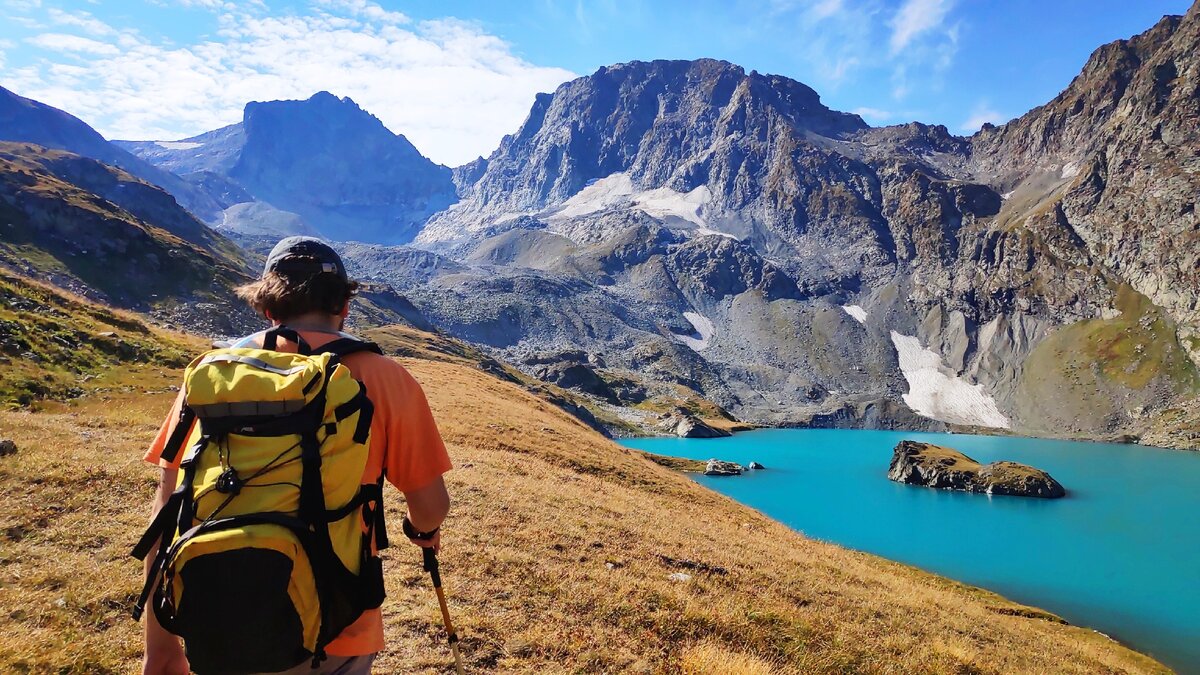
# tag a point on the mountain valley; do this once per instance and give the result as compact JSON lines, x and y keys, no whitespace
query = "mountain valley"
{"x":667,"y":236}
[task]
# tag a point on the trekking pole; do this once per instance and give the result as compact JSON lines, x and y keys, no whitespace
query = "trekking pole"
{"x":431,"y":566}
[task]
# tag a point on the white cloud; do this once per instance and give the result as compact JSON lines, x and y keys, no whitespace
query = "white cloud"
{"x":915,"y":18}
{"x":62,"y":42}
{"x":825,"y":8}
{"x":874,"y":114}
{"x":82,"y":20}
{"x":982,"y":114}
{"x":451,"y":88}
{"x":368,"y":10}
{"x":830,"y":38}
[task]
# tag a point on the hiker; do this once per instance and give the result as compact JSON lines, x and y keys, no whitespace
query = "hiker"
{"x":305,"y":294}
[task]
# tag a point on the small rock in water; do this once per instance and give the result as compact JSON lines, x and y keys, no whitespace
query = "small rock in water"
{"x":7,"y":447}
{"x":682,"y":577}
{"x":756,"y":466}
{"x":716,"y":467}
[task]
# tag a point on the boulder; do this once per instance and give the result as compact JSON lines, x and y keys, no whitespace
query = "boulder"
{"x":716,"y":467}
{"x":755,"y":466}
{"x":7,"y":447}
{"x":948,"y":469}
{"x":691,"y":427}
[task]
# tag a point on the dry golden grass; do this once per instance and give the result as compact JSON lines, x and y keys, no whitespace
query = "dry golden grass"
{"x":708,"y":658}
{"x":557,"y":558}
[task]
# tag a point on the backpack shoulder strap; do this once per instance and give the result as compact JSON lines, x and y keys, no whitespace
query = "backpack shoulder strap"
{"x":271,"y":339}
{"x":348,"y":345}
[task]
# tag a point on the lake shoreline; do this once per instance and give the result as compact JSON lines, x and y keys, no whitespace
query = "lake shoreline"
{"x":1108,"y":605}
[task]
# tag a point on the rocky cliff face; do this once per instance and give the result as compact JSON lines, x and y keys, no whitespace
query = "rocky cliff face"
{"x":321,"y":165}
{"x":1115,"y":155}
{"x":700,"y":226}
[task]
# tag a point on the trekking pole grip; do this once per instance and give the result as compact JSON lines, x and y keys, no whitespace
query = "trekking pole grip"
{"x":431,"y":566}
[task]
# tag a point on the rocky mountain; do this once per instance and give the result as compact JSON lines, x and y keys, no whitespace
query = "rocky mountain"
{"x":686,"y":238}
{"x":700,"y":230}
{"x":24,"y":120}
{"x":105,"y":234}
{"x":1121,"y":146}
{"x":322,"y":165}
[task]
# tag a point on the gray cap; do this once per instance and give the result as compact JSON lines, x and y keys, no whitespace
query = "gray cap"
{"x":304,"y":256}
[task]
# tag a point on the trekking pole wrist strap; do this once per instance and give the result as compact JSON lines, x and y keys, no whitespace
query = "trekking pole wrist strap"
{"x":412,"y":533}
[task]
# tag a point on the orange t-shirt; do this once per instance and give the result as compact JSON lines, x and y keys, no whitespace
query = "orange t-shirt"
{"x":404,"y":438}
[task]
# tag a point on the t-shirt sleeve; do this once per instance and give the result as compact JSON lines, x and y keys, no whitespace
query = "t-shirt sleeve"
{"x":415,"y":453}
{"x":154,"y":452}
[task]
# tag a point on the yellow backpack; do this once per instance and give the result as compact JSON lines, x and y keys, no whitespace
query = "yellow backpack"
{"x":265,"y":546}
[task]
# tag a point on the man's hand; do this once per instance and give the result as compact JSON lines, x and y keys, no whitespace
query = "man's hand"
{"x":434,"y":542}
{"x":431,"y":539}
{"x":165,"y":658}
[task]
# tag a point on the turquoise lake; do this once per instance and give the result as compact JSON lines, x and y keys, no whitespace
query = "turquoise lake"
{"x":1120,"y":553}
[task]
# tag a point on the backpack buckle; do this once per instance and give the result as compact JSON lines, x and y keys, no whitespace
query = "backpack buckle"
{"x":229,"y":482}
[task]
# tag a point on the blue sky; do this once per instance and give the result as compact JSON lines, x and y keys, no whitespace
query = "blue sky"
{"x":455,"y":76}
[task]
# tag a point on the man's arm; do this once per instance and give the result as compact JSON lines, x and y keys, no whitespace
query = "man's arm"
{"x":164,"y":654}
{"x":427,"y":508}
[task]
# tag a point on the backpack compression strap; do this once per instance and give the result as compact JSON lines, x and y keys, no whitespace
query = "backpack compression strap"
{"x":183,"y":428}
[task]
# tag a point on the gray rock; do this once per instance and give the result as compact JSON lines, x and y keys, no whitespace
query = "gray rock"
{"x":716,"y":467}
{"x":755,"y":466}
{"x":7,"y":447}
{"x":690,"y":427}
{"x":939,"y":467}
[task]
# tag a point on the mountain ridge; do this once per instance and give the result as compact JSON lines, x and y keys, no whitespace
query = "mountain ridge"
{"x":638,"y":204}
{"x":322,"y":164}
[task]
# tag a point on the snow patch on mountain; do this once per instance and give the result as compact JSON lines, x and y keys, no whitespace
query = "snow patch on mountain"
{"x":1070,"y":170}
{"x":597,"y":195}
{"x":704,"y":329}
{"x":178,"y":145}
{"x":936,"y":392}
{"x":680,"y":210}
{"x":856,"y":311}
{"x":666,"y":204}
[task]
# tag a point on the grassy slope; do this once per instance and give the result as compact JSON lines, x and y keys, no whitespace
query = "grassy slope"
{"x":557,"y":556}
{"x":57,"y":221}
{"x":53,"y":345}
{"x":1102,"y":374}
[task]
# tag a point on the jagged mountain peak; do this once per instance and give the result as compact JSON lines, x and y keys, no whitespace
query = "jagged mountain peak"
{"x":323,"y":110}
{"x":1118,"y":77}
{"x":680,"y":126}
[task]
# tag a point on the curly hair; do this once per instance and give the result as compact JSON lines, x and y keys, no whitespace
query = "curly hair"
{"x":281,"y":297}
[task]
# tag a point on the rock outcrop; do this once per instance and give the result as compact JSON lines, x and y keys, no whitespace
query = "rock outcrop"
{"x":687,"y":426}
{"x":935,"y":466}
{"x":717,"y":467}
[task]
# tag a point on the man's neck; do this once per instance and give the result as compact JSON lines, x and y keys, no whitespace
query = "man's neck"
{"x":316,"y":324}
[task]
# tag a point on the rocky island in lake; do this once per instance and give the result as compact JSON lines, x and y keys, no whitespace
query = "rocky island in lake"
{"x":940,"y":467}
